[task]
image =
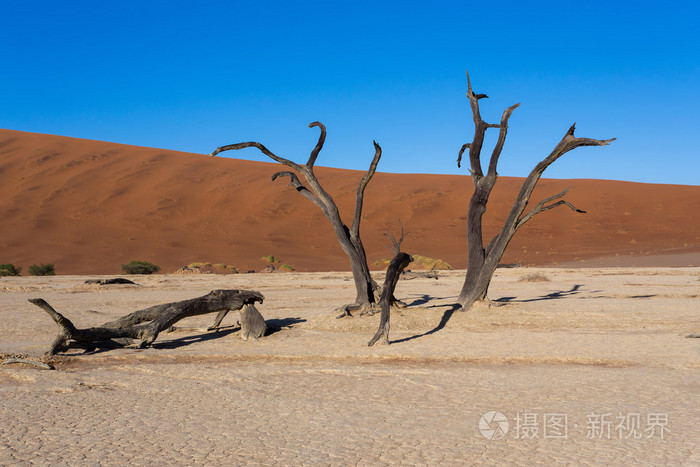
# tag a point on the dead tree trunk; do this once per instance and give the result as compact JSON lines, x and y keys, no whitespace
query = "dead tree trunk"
{"x":157,"y":319}
{"x":387,"y":299}
{"x":484,"y":259}
{"x":396,"y":267}
{"x":349,"y":238}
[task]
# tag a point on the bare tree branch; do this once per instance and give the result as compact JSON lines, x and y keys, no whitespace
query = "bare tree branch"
{"x":542,"y":207}
{"x":319,"y":145}
{"x":396,"y":244}
{"x":568,"y":143}
{"x":359,"y":199}
{"x":296,"y":183}
{"x":501,"y":139}
{"x":461,"y":151}
{"x":263,"y":149}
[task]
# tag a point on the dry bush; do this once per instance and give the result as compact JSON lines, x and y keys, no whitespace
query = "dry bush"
{"x":420,"y":262}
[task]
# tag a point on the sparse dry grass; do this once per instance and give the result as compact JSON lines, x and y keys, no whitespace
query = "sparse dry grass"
{"x":534,"y":277}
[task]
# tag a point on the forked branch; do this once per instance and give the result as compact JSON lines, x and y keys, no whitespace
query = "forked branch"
{"x":542,"y":206}
{"x":396,"y":244}
{"x":296,"y":183}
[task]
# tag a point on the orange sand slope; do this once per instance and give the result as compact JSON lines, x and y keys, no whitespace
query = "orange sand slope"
{"x":88,"y":206}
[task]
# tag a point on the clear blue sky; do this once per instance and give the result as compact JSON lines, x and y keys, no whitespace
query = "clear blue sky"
{"x":192,"y":76}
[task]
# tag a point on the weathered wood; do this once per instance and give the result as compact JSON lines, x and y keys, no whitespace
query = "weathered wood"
{"x":146,"y":324}
{"x":252,"y":323}
{"x":348,"y":237}
{"x":393,"y":272}
{"x":482,"y":261}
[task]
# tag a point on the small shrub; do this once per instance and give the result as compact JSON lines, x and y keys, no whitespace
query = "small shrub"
{"x":140,"y":267}
{"x":42,"y":270}
{"x":270,"y":259}
{"x":534,"y":277}
{"x":9,"y":270}
{"x":287,"y":267}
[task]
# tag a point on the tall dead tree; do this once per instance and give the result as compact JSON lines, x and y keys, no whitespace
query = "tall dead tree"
{"x":484,"y":259}
{"x":348,"y":237}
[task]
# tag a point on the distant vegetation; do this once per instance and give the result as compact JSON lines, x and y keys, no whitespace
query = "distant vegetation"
{"x":9,"y":270}
{"x":218,"y":268}
{"x":420,"y":262}
{"x":270,"y":259}
{"x":42,"y":270}
{"x":140,"y":267}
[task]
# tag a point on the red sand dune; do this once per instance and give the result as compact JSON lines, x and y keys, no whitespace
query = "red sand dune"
{"x":89,"y":206}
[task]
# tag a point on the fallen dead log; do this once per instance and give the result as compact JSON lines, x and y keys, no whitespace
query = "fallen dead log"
{"x":115,"y":281}
{"x":393,"y":272}
{"x":146,"y":324}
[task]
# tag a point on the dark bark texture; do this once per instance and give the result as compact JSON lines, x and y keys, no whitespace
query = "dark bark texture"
{"x":146,"y":324}
{"x":393,"y":272}
{"x":484,"y":259}
{"x":348,"y":237}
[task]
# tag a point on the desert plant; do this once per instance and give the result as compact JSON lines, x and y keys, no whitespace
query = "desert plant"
{"x":287,"y":267}
{"x":9,"y":270}
{"x":42,"y":270}
{"x":140,"y":267}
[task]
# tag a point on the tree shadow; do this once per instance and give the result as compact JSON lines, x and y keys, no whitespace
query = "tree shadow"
{"x":273,"y":326}
{"x":576,"y":289}
{"x":443,"y":321}
{"x":193,"y":339}
{"x":277,"y":325}
{"x":425,"y":298}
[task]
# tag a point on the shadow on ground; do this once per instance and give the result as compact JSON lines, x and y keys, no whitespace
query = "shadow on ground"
{"x":576,"y":289}
{"x":443,"y":321}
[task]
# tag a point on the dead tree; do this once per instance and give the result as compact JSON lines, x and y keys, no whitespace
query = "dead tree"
{"x":393,"y":273}
{"x":484,"y":259}
{"x":348,"y":237}
{"x":156,"y":318}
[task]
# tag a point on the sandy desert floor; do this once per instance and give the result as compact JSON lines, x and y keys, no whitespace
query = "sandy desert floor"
{"x":588,"y":367}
